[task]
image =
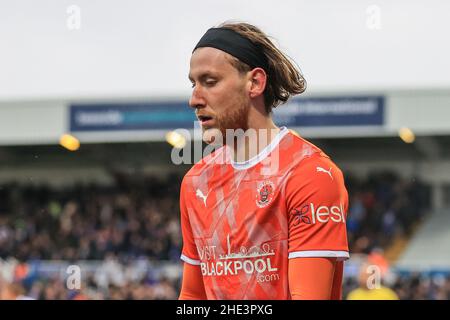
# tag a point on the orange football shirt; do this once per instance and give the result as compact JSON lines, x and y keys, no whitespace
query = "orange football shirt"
{"x":242,"y":222}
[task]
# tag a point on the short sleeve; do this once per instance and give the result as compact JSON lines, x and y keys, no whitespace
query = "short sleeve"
{"x":317,"y":203}
{"x":189,"y":253}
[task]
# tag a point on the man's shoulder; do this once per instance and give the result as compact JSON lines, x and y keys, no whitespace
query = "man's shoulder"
{"x":303,"y":154}
{"x":309,"y":161}
{"x":315,"y":162}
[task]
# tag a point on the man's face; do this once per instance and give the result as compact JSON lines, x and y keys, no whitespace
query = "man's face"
{"x":220,"y":93}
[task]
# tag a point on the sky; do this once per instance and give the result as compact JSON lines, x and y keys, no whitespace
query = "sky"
{"x":112,"y":49}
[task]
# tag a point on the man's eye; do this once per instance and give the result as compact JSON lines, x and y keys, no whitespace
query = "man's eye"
{"x":210,"y":82}
{"x":192,"y":85}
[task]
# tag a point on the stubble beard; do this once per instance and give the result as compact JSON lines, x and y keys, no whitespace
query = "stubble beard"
{"x":234,"y":119}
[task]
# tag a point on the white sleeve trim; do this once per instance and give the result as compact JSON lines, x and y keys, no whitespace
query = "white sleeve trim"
{"x":341,"y":255}
{"x":190,"y":261}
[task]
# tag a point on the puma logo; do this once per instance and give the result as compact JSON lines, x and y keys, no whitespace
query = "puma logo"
{"x":200,"y":194}
{"x":320,"y":169}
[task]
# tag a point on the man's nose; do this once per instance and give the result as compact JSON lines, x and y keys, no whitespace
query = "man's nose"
{"x":197,"y":101}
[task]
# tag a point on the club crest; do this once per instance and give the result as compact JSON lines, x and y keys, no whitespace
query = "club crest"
{"x":264,"y":193}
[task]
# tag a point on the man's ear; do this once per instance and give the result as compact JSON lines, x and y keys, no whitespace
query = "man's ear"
{"x":258,"y":78}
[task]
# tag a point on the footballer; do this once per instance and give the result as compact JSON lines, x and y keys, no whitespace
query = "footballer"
{"x":257,"y":223}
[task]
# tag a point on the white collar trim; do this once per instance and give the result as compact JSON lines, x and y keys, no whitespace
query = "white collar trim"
{"x":264,"y":152}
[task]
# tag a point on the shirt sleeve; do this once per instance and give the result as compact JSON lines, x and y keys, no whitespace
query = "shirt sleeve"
{"x":317,"y":203}
{"x":189,"y":253}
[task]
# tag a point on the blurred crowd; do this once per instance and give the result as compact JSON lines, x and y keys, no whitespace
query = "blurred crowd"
{"x":55,"y":288}
{"x":128,"y":221}
{"x":383,"y":207}
{"x":402,"y":286}
{"x":139,"y":219}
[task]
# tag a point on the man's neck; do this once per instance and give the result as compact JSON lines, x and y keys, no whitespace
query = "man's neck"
{"x":254,"y":140}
